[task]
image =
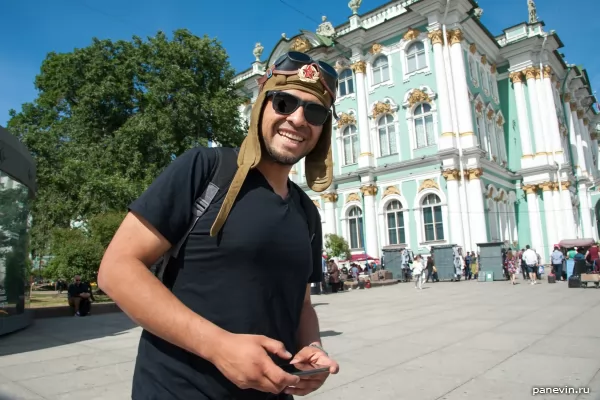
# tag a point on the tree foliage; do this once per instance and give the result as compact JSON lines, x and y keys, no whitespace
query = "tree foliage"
{"x":337,"y":246}
{"x":109,"y":117}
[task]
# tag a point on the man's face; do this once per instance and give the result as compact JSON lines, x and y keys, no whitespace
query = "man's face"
{"x":77,"y":280}
{"x":289,"y":138}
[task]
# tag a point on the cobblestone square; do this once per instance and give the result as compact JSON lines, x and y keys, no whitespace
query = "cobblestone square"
{"x":465,"y":340}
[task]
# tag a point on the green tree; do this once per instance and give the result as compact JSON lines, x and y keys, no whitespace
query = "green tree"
{"x":109,"y":117}
{"x":337,"y":246}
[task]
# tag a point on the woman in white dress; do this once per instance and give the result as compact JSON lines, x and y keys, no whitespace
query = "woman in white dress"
{"x":418,"y":271}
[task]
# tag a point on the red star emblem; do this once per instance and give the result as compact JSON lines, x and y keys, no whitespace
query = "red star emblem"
{"x":309,"y":72}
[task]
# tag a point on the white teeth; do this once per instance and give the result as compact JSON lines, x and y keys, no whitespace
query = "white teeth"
{"x":291,"y":136}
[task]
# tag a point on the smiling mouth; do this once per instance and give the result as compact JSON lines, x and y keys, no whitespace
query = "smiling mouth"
{"x":291,"y":136}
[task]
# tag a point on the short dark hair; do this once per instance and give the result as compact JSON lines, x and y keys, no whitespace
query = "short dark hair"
{"x":527,"y":247}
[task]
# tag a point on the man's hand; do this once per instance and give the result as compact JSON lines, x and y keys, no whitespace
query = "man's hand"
{"x":244,"y":360}
{"x":310,"y":383}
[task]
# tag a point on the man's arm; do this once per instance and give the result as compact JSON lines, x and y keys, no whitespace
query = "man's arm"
{"x":308,"y":330}
{"x":124,"y":275}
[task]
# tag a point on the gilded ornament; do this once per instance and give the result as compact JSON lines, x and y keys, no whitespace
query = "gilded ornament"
{"x":456,"y":36}
{"x":493,"y":68}
{"x":381,"y":108}
{"x":301,"y":44}
{"x":329,"y":197}
{"x":376,"y":48}
{"x":428,"y":184}
{"x":580,"y":114}
{"x":490,"y":114}
{"x":317,"y":204}
{"x":500,"y":121}
{"x":547,"y":186}
{"x":547,"y":71}
{"x":538,"y":73}
{"x":451,"y":174}
{"x":411,"y":34}
{"x":573,"y":106}
{"x":359,"y":67}
{"x":369,"y":190}
{"x":479,"y":107}
{"x":567,"y":97}
{"x":391,"y":190}
{"x":473,"y":48}
{"x":346,"y":119}
{"x":530,"y":189}
{"x":586,"y":121}
{"x":565,"y":185}
{"x":418,"y":96}
{"x":516,"y":77}
{"x":475,"y":173}
{"x":352,"y":197}
{"x":484,"y":59}
{"x":530,"y":73}
{"x":594,"y":135}
{"x":436,"y":37}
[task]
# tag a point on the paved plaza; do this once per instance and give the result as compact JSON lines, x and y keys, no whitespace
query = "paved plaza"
{"x":465,"y":340}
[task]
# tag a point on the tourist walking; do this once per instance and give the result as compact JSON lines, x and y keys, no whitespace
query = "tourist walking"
{"x":418,"y":271}
{"x":511,"y":265}
{"x":531,"y":260}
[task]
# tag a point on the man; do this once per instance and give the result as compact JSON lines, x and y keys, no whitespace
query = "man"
{"x":235,"y":311}
{"x":531,"y":259}
{"x":80,"y":296}
{"x":557,"y":259}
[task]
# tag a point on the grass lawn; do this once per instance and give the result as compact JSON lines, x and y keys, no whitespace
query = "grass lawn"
{"x":59,"y":300}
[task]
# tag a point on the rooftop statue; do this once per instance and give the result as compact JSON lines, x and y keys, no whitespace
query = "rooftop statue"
{"x":354,"y":5}
{"x":533,"y":17}
{"x":325,"y":28}
{"x":258,"y":50}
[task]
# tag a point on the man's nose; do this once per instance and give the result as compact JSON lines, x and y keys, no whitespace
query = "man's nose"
{"x":297,"y":117}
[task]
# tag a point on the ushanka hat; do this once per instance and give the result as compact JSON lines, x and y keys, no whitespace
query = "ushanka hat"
{"x":293,"y":70}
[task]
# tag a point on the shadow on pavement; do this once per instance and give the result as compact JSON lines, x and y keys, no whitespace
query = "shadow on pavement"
{"x":330,"y":333}
{"x":56,"y":332}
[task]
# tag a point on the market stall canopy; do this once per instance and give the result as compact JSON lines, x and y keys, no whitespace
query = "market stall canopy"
{"x":576,"y":243}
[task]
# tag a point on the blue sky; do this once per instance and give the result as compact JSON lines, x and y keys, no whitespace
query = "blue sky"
{"x":32,"y":28}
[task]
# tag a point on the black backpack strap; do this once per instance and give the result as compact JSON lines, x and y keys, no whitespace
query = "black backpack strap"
{"x":310,"y":210}
{"x":220,"y":178}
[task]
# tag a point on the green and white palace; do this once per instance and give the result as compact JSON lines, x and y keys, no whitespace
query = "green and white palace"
{"x":448,"y":134}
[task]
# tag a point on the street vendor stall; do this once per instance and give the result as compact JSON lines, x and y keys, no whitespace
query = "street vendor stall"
{"x":567,"y":244}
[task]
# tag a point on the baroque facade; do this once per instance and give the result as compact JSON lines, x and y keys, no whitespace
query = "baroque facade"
{"x":447,"y":134}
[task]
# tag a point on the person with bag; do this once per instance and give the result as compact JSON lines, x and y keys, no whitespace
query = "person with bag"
{"x":224,"y":313}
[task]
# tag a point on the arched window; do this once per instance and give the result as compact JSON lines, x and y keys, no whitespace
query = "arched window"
{"x":433,"y":224}
{"x":387,"y":135}
{"x":415,"y":57}
{"x":350,"y":138}
{"x":473,"y":70}
{"x":395,"y":223}
{"x":500,"y":143}
{"x":424,"y":125}
{"x":485,"y":81}
{"x":346,"y":83}
{"x":381,"y":70}
{"x":493,"y":140}
{"x":355,"y":228}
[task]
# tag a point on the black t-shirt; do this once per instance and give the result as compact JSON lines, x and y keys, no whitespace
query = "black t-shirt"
{"x":250,"y":279}
{"x":75,"y":290}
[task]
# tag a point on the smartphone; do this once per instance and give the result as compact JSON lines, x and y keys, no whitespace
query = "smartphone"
{"x":301,"y":369}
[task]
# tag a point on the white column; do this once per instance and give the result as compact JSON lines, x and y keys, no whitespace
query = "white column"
{"x":569,"y":227}
{"x":447,"y":138}
{"x":554,"y":129}
{"x":534,"y":107}
{"x":370,"y":221}
{"x":585,"y":142}
{"x":456,"y":224}
{"x":461,"y":90}
{"x":330,"y":200}
{"x":535,"y":221}
{"x":586,"y":212}
{"x":550,"y":214}
{"x":564,"y":229}
{"x":581,"y":159}
{"x":476,"y":208}
{"x":522,"y":117}
{"x":494,"y":228}
{"x":366,"y":158}
{"x":512,"y":220}
{"x":572,"y":142}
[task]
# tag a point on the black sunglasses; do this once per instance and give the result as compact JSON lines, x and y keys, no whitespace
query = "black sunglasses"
{"x":286,"y":104}
{"x":294,"y":60}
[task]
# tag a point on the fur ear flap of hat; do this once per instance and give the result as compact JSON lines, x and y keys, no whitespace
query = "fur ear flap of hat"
{"x":318,"y":163}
